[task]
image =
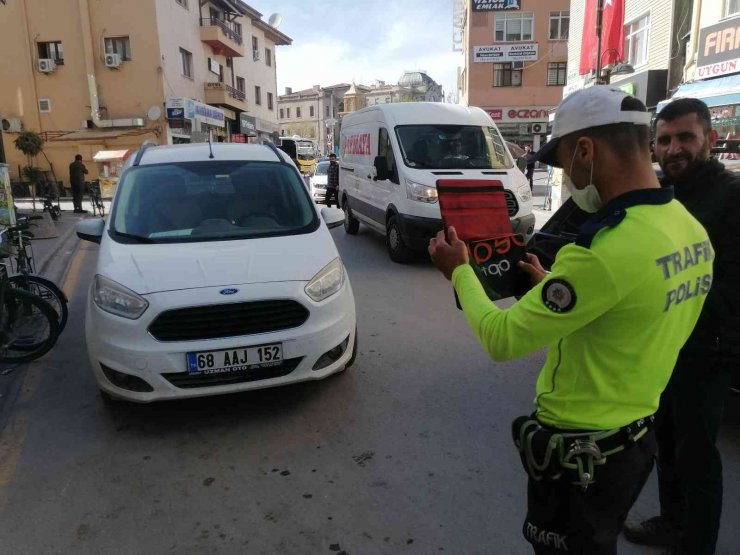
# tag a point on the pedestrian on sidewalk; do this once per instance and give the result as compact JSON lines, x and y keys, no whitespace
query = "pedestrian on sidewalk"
{"x":530,"y":166}
{"x":332,"y":181}
{"x":689,"y":463}
{"x":611,"y":316}
{"x":77,"y":173}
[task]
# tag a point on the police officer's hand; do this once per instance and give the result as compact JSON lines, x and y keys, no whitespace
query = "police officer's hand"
{"x":533,"y":268}
{"x":448,"y":252}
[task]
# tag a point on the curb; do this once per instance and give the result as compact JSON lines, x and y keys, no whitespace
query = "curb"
{"x":44,"y":262}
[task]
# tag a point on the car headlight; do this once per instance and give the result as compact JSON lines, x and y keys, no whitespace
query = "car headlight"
{"x":116,"y":299}
{"x":327,"y":282}
{"x":525,"y":193}
{"x":421,"y":193}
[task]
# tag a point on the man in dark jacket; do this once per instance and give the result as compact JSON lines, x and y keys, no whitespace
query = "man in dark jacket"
{"x":77,"y":172}
{"x":689,"y":463}
{"x":530,"y":166}
{"x":332,"y":181}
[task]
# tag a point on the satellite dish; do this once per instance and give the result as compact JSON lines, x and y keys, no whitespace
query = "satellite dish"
{"x":275,"y":20}
{"x":154,"y":113}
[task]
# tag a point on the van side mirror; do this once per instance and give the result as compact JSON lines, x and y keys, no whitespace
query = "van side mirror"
{"x":381,"y":168}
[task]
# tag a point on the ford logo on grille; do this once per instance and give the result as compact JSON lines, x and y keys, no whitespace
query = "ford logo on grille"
{"x":228,"y":291}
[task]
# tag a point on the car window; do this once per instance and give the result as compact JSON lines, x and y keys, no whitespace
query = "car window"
{"x":452,"y":146}
{"x":205,"y":201}
{"x":322,"y":168}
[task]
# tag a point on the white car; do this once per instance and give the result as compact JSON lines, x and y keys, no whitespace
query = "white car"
{"x":319,"y":182}
{"x":216,"y":273}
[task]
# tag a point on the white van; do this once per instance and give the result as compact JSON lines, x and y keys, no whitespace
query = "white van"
{"x":392,"y":156}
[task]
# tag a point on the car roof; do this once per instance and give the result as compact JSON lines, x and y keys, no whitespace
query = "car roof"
{"x":200,"y":152}
{"x":414,"y":113}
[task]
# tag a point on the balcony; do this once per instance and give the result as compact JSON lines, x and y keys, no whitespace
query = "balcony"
{"x":222,"y":37}
{"x":221,"y":94}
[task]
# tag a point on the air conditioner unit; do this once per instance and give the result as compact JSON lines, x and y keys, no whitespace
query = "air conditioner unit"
{"x":12,"y":125}
{"x":257,"y":55}
{"x":47,"y":65}
{"x":517,"y":65}
{"x":112,"y":60}
{"x":539,"y":128}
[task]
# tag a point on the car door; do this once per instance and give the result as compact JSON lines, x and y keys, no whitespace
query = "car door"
{"x":386,"y":189}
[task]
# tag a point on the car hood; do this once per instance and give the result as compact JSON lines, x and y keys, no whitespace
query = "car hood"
{"x":156,"y":268}
{"x":319,"y":180}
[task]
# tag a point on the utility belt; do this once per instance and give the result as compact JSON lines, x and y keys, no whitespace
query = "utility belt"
{"x":550,"y":454}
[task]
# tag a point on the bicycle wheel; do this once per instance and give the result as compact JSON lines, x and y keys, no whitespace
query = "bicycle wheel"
{"x":47,"y":290}
{"x":28,"y":327}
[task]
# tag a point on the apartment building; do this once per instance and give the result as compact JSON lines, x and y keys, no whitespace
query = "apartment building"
{"x":516,"y":61}
{"x":99,"y":75}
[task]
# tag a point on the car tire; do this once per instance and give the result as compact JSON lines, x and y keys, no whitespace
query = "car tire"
{"x":397,"y":249}
{"x":351,"y":224}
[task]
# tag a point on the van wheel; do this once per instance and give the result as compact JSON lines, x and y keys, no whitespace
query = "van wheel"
{"x":397,"y":249}
{"x":351,"y":224}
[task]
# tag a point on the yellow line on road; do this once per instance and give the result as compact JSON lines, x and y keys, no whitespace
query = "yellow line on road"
{"x":12,"y":439}
{"x":70,"y":282}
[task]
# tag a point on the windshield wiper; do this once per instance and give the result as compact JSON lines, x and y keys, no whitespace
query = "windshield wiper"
{"x":139,"y":238}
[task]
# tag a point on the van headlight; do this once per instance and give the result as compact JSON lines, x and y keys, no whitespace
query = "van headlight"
{"x":525,"y":193}
{"x":327,"y":282}
{"x":421,"y":193}
{"x":116,"y":299}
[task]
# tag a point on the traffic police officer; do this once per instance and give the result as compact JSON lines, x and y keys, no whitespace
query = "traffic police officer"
{"x":615,"y":311}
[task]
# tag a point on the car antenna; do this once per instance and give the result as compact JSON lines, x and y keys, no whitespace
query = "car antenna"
{"x":210,"y":146}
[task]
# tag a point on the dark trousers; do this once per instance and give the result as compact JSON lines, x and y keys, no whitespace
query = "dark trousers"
{"x":562,"y":518}
{"x":689,"y":463}
{"x":77,"y":192}
{"x":332,"y":193}
{"x":530,"y":176}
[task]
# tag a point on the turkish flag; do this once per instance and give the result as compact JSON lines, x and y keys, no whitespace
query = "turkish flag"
{"x":612,"y":35}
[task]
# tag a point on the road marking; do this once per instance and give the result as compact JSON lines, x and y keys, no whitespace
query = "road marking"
{"x":12,"y":439}
{"x":70,"y":281}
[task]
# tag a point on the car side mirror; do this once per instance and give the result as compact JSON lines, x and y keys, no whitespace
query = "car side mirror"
{"x":381,"y":169}
{"x":91,"y":230}
{"x":334,"y":217}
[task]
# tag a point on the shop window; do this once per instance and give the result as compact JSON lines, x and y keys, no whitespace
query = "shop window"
{"x":512,"y":27}
{"x":556,"y":73}
{"x":120,"y":46}
{"x":559,"y":25}
{"x":636,"y":35}
{"x":504,"y":75}
{"x":51,"y":51}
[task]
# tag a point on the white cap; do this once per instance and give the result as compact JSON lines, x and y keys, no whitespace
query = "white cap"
{"x":592,"y":107}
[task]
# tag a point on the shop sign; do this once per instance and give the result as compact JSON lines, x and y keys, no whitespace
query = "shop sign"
{"x":210,"y":115}
{"x":267,"y":126}
{"x":719,"y":49}
{"x":238,"y":138}
{"x":496,"y":5}
{"x":629,"y":88}
{"x":498,"y":53}
{"x":520,"y":113}
{"x":247,"y":124}
{"x":180,"y":108}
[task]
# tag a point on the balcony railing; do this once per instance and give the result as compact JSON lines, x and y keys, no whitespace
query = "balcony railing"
{"x":228,"y":30}
{"x":231,"y":91}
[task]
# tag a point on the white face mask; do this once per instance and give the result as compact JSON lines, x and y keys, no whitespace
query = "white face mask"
{"x":587,"y":199}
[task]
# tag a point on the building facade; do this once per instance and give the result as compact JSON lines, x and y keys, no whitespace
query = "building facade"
{"x":516,"y":62}
{"x":104,"y":75}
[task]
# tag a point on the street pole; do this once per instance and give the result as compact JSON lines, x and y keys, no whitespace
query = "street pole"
{"x":599,"y":18}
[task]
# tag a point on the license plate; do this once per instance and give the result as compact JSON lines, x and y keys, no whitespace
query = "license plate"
{"x":235,"y":360}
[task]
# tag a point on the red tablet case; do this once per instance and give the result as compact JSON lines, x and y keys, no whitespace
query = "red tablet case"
{"x":476,"y":208}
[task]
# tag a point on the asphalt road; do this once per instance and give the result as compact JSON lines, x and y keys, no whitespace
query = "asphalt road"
{"x":407,"y":452}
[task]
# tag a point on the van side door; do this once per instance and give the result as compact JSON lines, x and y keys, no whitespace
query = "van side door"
{"x":386,"y":189}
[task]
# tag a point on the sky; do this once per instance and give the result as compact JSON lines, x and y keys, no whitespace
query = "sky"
{"x":342,"y":41}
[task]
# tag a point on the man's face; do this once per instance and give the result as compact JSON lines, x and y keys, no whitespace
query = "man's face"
{"x":682,"y":144}
{"x":332,"y":159}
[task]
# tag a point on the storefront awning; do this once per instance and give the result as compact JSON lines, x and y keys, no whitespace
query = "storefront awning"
{"x":106,"y":155}
{"x":722,"y":91}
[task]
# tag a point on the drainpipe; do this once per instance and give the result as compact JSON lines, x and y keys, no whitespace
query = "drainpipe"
{"x":693,"y":44}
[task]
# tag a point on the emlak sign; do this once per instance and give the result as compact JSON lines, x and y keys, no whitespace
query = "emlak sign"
{"x":718,"y":52}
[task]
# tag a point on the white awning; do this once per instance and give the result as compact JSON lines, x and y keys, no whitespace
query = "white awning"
{"x":106,"y":155}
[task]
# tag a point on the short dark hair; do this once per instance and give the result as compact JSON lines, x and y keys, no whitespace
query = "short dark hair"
{"x":624,"y":139}
{"x":78,"y":156}
{"x":685,"y":106}
{"x":332,"y":155}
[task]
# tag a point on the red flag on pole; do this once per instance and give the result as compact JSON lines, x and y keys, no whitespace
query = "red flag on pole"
{"x":612,"y":35}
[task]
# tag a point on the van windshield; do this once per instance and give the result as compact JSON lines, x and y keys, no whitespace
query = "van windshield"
{"x":437,"y":147}
{"x":208,"y":201}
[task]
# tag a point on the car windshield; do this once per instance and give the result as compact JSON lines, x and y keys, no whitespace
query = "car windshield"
{"x":322,"y":168}
{"x":452,"y":146}
{"x":207,"y":201}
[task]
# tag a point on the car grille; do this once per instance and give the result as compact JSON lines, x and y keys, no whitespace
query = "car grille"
{"x":187,"y":381}
{"x":511,"y":203}
{"x":227,"y":320}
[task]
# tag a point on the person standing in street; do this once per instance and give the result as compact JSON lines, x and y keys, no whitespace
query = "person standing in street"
{"x":530,"y":166}
{"x":615,"y":311}
{"x":77,"y":173}
{"x":332,"y":181}
{"x":689,"y":463}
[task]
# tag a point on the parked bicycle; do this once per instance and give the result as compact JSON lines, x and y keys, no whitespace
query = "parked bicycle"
{"x":25,"y":277}
{"x":28,"y":325}
{"x":96,"y":200}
